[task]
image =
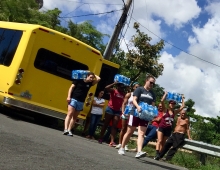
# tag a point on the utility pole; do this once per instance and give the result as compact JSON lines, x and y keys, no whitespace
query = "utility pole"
{"x":108,"y":51}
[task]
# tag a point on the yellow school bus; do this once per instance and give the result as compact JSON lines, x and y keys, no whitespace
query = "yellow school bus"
{"x":36,"y":64}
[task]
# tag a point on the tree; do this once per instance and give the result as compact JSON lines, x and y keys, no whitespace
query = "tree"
{"x":88,"y":34}
{"x":142,"y":57}
{"x":17,"y":10}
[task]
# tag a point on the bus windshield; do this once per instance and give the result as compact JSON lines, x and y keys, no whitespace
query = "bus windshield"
{"x":9,"y":40}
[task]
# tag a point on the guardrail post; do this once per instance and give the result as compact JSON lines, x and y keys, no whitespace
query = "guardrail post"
{"x":203,"y":158}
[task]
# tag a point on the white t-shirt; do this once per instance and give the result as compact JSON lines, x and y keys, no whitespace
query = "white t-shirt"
{"x":97,"y":110}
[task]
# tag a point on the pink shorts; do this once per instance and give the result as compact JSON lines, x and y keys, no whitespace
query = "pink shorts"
{"x":136,"y":121}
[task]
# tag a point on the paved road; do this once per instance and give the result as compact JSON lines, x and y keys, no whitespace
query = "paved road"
{"x":25,"y":145}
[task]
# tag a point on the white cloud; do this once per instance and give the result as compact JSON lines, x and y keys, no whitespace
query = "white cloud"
{"x":173,"y":12}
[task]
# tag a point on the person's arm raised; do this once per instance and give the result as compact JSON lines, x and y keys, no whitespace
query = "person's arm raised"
{"x":181,"y":107}
{"x":109,"y":87}
{"x":97,"y":79}
{"x":162,"y":102}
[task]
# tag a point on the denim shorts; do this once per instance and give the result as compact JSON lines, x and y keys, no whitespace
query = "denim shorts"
{"x":76,"y":104}
{"x":112,"y":112}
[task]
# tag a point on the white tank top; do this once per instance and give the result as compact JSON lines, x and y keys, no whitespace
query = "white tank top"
{"x":130,"y":101}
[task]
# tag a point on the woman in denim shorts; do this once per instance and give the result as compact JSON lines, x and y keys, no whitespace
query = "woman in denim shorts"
{"x":113,"y":110}
{"x":76,"y":96}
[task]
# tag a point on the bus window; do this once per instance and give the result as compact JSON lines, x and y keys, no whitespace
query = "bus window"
{"x":107,"y":76}
{"x":56,"y":64}
{"x":9,"y":40}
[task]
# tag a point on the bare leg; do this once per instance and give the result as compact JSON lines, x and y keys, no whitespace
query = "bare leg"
{"x":141,"y":133}
{"x":159,"y":141}
{"x":73,"y":120}
{"x":69,"y":116}
{"x":130,"y":131}
{"x":114,"y":127}
{"x":108,"y":118}
{"x":123,"y":130}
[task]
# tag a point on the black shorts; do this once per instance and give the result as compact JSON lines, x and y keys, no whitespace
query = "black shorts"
{"x":166,"y":131}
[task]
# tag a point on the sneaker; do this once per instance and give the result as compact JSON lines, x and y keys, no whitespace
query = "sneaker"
{"x":118,"y":146}
{"x":121,"y":151}
{"x":112,"y":144}
{"x":69,"y":133}
{"x":157,"y":157}
{"x":100,"y":141}
{"x":163,"y":159}
{"x":126,"y":148}
{"x":140,"y":154}
{"x":65,"y":132}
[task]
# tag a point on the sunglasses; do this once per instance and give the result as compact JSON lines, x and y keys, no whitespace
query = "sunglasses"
{"x":152,"y":83}
{"x":172,"y":103}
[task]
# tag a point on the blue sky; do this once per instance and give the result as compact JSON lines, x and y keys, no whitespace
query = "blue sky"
{"x":193,"y":27}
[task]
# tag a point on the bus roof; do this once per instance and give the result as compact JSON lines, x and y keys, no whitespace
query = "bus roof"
{"x":110,"y":63}
{"x":32,"y":27}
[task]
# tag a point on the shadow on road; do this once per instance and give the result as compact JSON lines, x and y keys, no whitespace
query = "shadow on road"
{"x":31,"y":117}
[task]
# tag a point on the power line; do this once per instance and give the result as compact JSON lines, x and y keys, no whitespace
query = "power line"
{"x":101,"y":13}
{"x":176,"y":46}
{"x":91,"y":3}
{"x":127,"y":24}
{"x":74,"y":9}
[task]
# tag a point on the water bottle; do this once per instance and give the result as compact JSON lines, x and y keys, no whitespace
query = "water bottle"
{"x":116,"y":78}
{"x":84,"y":74}
{"x":79,"y":74}
{"x":169,"y":96}
{"x":150,"y":113}
{"x":175,"y":97}
{"x":127,"y":110}
{"x":122,"y":79}
{"x":128,"y":81}
{"x":74,"y":75}
{"x":179,"y":99}
{"x":155,"y":111}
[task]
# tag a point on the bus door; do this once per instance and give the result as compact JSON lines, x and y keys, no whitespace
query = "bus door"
{"x":108,"y":71}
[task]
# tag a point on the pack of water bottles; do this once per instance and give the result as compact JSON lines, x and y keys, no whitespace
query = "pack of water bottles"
{"x":122,"y":79}
{"x":127,"y":110}
{"x":148,"y":112}
{"x":79,"y":74}
{"x":174,"y":96}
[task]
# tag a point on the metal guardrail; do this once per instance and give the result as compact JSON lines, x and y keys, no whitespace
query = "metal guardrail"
{"x":203,"y":148}
{"x":200,"y":147}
